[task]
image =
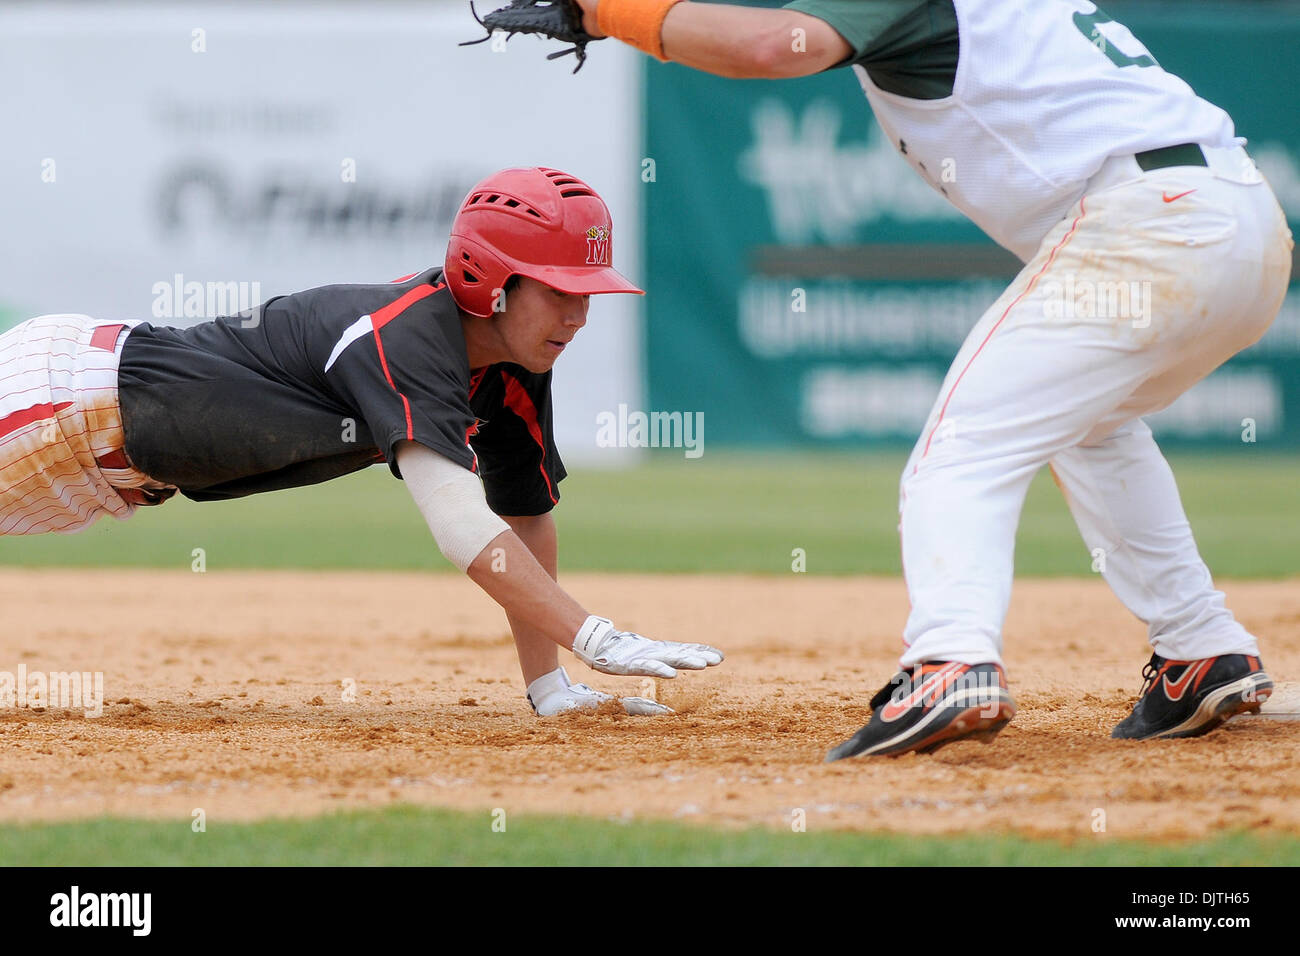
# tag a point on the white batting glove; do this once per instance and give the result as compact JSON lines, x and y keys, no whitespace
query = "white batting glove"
{"x":603,"y":648}
{"x":553,"y":694}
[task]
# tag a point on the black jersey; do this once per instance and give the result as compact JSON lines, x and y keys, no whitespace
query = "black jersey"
{"x":321,"y":383}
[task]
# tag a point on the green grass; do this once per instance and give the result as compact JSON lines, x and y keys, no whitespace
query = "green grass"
{"x":722,"y":513}
{"x":405,"y":835}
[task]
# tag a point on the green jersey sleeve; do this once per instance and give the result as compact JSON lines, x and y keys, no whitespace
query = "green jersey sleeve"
{"x":907,"y":47}
{"x":860,"y":22}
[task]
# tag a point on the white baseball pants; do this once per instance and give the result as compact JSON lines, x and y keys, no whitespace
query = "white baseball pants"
{"x":61,"y":458}
{"x":1151,"y":282}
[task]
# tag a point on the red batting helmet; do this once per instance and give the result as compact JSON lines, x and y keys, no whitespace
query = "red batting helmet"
{"x":540,"y":223}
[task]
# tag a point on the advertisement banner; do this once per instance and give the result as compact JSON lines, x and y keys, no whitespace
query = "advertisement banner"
{"x":179,"y":162}
{"x":808,"y":289}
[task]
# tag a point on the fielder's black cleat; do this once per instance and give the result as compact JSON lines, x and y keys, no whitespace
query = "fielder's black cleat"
{"x":1190,"y":698}
{"x":933,"y":705}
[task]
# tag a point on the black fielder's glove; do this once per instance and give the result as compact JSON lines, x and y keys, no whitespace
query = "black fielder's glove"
{"x":557,"y":19}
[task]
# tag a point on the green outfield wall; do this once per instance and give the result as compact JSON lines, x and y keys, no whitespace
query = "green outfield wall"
{"x":807,"y":289}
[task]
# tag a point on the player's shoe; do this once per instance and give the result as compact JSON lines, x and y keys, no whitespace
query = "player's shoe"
{"x":1190,"y":698}
{"x":932,"y":705}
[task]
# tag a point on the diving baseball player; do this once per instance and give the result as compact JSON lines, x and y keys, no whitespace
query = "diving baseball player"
{"x":444,"y":375}
{"x":1055,"y":130}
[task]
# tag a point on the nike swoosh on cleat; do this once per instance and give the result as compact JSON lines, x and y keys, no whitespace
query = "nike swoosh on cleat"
{"x":1168,"y":198}
{"x":894,"y":709}
{"x":1175,"y":690}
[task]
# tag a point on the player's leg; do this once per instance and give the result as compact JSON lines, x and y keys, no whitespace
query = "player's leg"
{"x":1122,"y":492}
{"x":1027,"y":383}
{"x":62,"y":466}
{"x":1125,"y":502}
{"x":1206,"y":666}
{"x":1034,"y":379}
{"x":45,"y":484}
{"x":1202,"y":281}
{"x":961,"y":498}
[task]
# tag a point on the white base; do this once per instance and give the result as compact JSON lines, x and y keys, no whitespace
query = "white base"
{"x":1284,"y":704}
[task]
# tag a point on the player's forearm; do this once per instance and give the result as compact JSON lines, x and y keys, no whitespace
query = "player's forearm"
{"x":537,"y":532}
{"x":743,"y":42}
{"x":452,"y":501}
{"x":537,"y":654}
{"x":733,"y":41}
{"x":507,"y":570}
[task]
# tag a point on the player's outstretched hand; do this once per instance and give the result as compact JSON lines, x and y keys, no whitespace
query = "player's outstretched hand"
{"x":554,"y":694}
{"x":603,"y":648}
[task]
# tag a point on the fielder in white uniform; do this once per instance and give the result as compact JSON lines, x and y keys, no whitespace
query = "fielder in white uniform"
{"x":1153,"y":249}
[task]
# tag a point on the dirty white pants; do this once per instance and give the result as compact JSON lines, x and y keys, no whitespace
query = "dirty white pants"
{"x":60,"y":425}
{"x":1152,"y":282}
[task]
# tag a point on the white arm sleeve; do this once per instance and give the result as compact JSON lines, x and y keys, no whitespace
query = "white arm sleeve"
{"x":452,"y":500}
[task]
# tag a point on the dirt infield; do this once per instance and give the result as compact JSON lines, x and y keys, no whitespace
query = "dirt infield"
{"x":226,"y":692}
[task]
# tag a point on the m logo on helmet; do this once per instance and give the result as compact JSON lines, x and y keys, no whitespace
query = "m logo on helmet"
{"x":598,"y":246}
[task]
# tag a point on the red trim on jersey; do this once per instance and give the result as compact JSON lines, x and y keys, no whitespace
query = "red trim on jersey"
{"x":475,"y":380}
{"x":518,"y":401}
{"x":406,"y":405}
{"x":395,"y":308}
{"x":382,"y":317}
{"x":1029,"y":288}
{"x":105,"y":337}
{"x":21,"y":419}
{"x":470,"y":432}
{"x":405,"y":278}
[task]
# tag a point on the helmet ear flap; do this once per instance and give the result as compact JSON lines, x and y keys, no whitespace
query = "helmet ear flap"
{"x":475,"y":274}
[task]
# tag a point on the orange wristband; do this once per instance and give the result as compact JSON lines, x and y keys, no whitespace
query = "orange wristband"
{"x":638,"y":23}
